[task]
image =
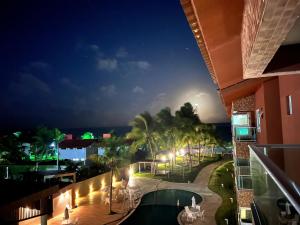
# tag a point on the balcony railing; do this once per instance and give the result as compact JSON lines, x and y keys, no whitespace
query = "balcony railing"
{"x":244,"y":182}
{"x":243,"y":170}
{"x":244,"y":133}
{"x":275,"y":181}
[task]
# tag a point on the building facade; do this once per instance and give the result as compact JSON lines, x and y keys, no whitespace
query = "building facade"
{"x":250,"y":49}
{"x":79,"y":150}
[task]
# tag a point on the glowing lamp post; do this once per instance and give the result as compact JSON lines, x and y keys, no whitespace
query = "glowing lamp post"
{"x":164,"y":159}
{"x":54,"y":145}
{"x":171,"y":156}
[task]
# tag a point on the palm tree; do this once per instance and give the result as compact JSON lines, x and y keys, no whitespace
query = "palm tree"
{"x":42,"y":139}
{"x":144,"y":133}
{"x":58,"y":136}
{"x":187,"y":119}
{"x":115,"y":153}
{"x":11,"y":149}
{"x":167,"y":130}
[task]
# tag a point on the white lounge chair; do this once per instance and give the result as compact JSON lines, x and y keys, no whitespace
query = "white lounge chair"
{"x":198,"y":210}
{"x":106,"y":202}
{"x":202,"y":215}
{"x":189,"y":215}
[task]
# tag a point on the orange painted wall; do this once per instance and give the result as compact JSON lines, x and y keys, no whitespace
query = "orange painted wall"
{"x":268,"y":101}
{"x":273,"y":111}
{"x":290,"y":85}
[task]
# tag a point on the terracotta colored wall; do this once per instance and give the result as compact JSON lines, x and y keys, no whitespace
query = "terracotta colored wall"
{"x":290,"y":85}
{"x":273,"y":111}
{"x":268,"y":99}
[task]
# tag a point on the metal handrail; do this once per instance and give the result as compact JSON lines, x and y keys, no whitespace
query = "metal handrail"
{"x":287,"y":186}
{"x":275,"y":146}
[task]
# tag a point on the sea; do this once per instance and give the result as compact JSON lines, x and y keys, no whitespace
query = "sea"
{"x":223,"y":131}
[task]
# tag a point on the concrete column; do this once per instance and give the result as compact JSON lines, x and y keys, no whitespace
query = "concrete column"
{"x":44,"y":219}
{"x":139,"y":167}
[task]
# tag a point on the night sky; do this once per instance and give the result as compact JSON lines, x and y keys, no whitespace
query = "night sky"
{"x":86,"y":63}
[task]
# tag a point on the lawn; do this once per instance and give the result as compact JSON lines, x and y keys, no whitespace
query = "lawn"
{"x":180,"y":173}
{"x":223,"y":175}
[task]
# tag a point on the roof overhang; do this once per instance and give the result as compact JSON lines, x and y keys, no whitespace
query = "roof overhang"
{"x":217,"y":29}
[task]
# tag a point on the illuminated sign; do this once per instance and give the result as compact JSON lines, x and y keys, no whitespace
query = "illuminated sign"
{"x":105,"y":136}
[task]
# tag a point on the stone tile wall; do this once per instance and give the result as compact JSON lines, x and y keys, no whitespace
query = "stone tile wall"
{"x":266,"y":24}
{"x":244,"y":198}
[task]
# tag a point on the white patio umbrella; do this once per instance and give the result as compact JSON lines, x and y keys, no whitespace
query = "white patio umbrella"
{"x":193,"y":202}
{"x":287,"y":208}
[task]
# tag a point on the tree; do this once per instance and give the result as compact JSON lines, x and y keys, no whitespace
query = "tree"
{"x":187,"y":119}
{"x":144,"y":133}
{"x":11,"y":149}
{"x":115,"y":153}
{"x":58,"y":136}
{"x":43,"y":139}
{"x":167,"y":130}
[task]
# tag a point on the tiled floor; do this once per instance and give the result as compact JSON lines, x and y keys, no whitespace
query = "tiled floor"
{"x":93,"y":211}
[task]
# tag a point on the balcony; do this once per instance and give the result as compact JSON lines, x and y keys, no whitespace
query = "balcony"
{"x":244,"y":133}
{"x":243,"y":174}
{"x":275,"y":182}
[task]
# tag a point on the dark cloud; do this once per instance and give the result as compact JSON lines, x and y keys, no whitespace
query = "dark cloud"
{"x":28,"y":83}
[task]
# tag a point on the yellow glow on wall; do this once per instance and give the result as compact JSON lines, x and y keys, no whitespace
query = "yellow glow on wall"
{"x":102,"y":184}
{"x":243,"y":214}
{"x":61,"y":197}
{"x":114,"y":181}
{"x":130,"y":171}
{"x":91,"y":188}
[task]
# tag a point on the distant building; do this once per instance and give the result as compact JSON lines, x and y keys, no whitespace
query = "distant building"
{"x":69,"y":137}
{"x":79,"y":150}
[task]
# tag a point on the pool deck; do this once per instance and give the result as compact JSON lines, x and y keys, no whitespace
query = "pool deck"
{"x":211,"y":201}
{"x":93,"y":211}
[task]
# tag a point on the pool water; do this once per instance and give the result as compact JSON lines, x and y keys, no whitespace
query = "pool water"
{"x":160,"y":207}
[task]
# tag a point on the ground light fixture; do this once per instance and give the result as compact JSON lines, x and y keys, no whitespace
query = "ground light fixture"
{"x":130,"y":171}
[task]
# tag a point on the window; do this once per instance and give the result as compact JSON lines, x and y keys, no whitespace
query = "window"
{"x":289,"y":105}
{"x":241,"y":119}
{"x":246,"y":215}
{"x":258,"y":115}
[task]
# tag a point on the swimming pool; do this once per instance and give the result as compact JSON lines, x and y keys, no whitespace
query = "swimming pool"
{"x":160,"y":207}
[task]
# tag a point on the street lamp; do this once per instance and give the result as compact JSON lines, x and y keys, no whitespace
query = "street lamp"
{"x":171,"y":156}
{"x":54,"y":145}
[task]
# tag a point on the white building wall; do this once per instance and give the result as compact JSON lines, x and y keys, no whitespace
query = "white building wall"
{"x":73,"y":154}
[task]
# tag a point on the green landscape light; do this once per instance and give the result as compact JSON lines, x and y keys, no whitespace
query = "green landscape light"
{"x":87,"y":135}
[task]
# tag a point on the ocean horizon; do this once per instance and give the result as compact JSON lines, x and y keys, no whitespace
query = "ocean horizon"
{"x":223,"y":130}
